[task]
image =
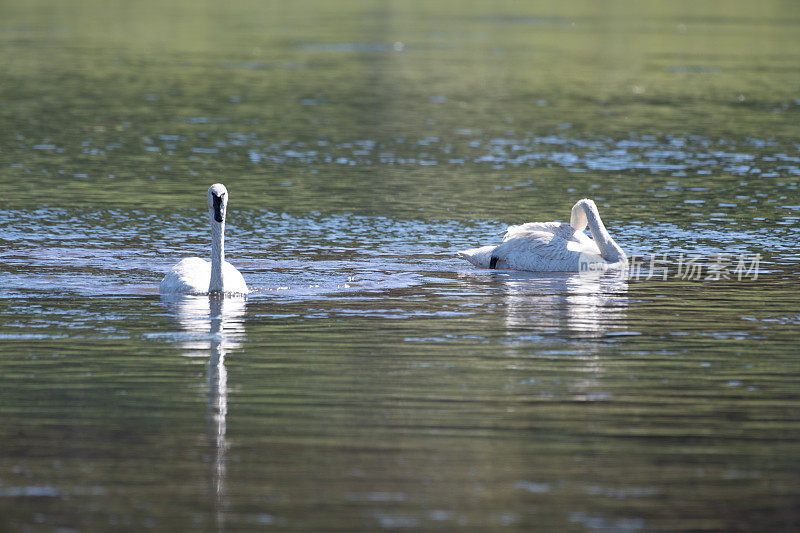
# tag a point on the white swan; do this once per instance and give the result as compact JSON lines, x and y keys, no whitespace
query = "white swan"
{"x":197,"y":276}
{"x":552,"y":246}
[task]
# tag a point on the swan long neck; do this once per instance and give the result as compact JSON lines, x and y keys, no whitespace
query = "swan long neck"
{"x":585,"y":212}
{"x":217,"y":255}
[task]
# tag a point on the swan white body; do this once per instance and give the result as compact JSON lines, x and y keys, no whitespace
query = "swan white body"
{"x":198,"y":276}
{"x":552,"y":246}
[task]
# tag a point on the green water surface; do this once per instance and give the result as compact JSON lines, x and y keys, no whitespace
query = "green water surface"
{"x":363,"y":142}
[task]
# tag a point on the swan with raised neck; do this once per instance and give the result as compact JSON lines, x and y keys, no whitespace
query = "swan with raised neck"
{"x":197,"y":276}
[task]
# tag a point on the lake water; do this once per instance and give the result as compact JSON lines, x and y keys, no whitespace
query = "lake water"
{"x":373,"y":380}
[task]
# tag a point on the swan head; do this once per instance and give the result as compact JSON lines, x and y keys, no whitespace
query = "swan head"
{"x":578,"y":219}
{"x":217,"y":202}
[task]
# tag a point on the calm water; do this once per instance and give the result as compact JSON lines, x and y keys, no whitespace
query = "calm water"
{"x":373,"y":380}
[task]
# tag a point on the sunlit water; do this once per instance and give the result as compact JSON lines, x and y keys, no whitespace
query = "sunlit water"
{"x":372,"y":379}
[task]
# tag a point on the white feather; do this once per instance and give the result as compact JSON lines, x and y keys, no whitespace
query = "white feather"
{"x":192,"y":275}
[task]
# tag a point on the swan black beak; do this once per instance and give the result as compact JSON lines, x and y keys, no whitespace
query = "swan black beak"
{"x":217,"y":208}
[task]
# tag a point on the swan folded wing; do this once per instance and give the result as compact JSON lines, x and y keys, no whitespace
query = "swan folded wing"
{"x":565,"y":231}
{"x":233,"y":280}
{"x":547,"y":227}
{"x":541,"y":252}
{"x":189,"y":276}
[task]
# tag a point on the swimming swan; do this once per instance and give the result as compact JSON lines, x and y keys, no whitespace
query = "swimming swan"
{"x":197,"y":276}
{"x":554,"y":247}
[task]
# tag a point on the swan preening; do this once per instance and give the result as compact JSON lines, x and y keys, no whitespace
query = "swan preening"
{"x":554,"y":247}
{"x":197,"y":276}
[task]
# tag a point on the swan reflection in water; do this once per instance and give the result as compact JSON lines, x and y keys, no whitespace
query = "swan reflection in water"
{"x":212,"y":326}
{"x":563,"y":315}
{"x":582,"y":304}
